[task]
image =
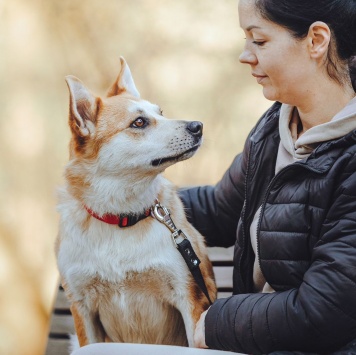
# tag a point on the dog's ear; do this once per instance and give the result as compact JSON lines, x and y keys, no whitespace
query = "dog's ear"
{"x":83,"y":107}
{"x":124,"y":82}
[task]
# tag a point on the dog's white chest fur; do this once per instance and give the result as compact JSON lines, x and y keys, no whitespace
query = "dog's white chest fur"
{"x":128,"y":274}
{"x":108,"y":252}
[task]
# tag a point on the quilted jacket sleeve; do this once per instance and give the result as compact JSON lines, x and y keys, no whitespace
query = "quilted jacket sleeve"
{"x":320,"y":315}
{"x":215,"y":210}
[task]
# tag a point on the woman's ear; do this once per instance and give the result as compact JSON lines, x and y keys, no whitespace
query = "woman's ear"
{"x":319,"y":37}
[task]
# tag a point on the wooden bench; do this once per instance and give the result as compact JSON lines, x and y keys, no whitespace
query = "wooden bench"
{"x":62,"y":322}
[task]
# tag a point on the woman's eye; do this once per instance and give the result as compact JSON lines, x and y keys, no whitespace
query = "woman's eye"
{"x":139,"y":123}
{"x":259,"y":43}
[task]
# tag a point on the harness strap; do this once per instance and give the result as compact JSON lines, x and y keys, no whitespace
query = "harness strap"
{"x":192,"y":261}
{"x":163,"y":215}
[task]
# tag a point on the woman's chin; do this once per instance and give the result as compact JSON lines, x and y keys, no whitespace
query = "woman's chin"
{"x":270,"y":94}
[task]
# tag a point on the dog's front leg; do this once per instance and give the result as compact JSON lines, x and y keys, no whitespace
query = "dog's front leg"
{"x":191,"y":309}
{"x":187,"y":311}
{"x":87,"y":325}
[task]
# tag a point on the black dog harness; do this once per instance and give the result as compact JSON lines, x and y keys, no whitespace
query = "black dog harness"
{"x":162,"y":214}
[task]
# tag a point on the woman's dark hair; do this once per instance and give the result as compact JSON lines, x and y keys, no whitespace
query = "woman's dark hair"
{"x":352,"y":68}
{"x":297,"y":16}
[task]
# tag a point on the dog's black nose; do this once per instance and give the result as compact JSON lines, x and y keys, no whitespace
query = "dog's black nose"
{"x":195,"y":128}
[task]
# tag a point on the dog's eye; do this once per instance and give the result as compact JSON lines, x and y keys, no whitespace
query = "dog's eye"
{"x":139,"y":123}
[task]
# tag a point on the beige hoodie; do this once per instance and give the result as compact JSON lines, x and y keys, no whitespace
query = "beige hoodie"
{"x":292,"y":148}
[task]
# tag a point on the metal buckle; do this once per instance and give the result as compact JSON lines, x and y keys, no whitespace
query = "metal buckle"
{"x":163,"y":215}
{"x":178,"y":234}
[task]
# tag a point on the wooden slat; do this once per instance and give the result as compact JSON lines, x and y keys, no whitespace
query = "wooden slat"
{"x":61,"y":305}
{"x":57,"y":347}
{"x":61,"y":324}
{"x":221,"y":254}
{"x":223,"y":276}
{"x":222,"y":266}
{"x":224,"y":294}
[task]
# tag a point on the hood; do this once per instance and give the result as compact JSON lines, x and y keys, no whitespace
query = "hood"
{"x":340,"y":125}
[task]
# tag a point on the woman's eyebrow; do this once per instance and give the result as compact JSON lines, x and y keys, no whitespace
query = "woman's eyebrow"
{"x":249,"y":28}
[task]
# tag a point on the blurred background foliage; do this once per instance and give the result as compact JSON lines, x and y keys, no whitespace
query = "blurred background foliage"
{"x":183,"y":55}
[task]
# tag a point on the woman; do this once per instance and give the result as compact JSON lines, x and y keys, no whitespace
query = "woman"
{"x":288,"y":201}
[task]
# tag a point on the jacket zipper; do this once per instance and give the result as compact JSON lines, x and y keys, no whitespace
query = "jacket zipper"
{"x":243,"y":219}
{"x":264,"y":201}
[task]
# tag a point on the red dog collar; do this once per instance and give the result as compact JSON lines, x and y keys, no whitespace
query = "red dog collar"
{"x":121,"y":220}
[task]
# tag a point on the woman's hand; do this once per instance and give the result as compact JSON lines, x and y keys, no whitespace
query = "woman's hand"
{"x":199,"y":334}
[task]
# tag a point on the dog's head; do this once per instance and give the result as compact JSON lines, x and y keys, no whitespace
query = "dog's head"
{"x":122,"y":132}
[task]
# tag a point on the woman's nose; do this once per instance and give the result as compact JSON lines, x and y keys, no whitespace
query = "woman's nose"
{"x":247,"y":57}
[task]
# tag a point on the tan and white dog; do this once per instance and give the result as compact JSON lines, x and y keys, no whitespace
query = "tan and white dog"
{"x":126,"y":283}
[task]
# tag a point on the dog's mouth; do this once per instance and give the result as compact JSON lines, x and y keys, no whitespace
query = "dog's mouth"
{"x":175,"y":158}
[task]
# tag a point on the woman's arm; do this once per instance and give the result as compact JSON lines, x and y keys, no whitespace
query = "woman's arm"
{"x":215,"y":210}
{"x":320,"y":315}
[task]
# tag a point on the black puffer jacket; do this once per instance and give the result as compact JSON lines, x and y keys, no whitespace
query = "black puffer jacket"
{"x":306,"y":245}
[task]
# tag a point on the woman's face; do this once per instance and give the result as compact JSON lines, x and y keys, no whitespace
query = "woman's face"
{"x":279,"y":62}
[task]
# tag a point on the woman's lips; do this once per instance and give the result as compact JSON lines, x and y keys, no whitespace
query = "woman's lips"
{"x":259,"y":77}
